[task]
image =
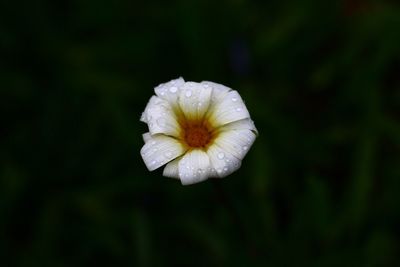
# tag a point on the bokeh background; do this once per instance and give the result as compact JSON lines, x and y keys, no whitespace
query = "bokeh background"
{"x":320,"y":186}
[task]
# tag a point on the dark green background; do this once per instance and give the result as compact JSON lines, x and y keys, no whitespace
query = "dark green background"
{"x":320,"y":186}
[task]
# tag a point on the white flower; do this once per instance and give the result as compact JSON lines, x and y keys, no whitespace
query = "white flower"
{"x":201,"y":130}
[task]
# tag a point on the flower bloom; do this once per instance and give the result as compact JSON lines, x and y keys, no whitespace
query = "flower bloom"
{"x":200,"y":130}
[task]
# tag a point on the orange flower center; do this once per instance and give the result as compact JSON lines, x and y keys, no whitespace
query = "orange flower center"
{"x":197,"y":134}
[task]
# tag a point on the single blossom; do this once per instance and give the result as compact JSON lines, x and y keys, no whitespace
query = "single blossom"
{"x":200,"y":130}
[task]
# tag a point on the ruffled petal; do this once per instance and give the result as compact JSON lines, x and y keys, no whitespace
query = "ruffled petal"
{"x":236,"y":142}
{"x":246,"y":124}
{"x":231,"y":108}
{"x":172,"y":169}
{"x":159,"y":150}
{"x":219,"y":91}
{"x":146,"y":137}
{"x":223,"y":162}
{"x":160,"y":117}
{"x":170,"y":91}
{"x":194,"y":167}
{"x":194,"y":100}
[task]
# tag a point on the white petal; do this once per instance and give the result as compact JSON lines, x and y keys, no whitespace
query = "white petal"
{"x":170,"y":91}
{"x":172,"y":169}
{"x":159,"y":150}
{"x":160,"y":117}
{"x":194,"y":100}
{"x":247,"y":124}
{"x":143,"y":117}
{"x":218,"y":90}
{"x":146,"y":137}
{"x":223,"y":162}
{"x":194,"y":167}
{"x":231,"y":108}
{"x":236,"y":142}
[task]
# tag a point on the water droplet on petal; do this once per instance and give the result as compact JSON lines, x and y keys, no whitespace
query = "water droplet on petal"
{"x":238,"y":109}
{"x":173,"y":89}
{"x":245,"y":148}
{"x":188,"y":93}
{"x":161,"y":121}
{"x":153,"y":162}
{"x":221,"y":155}
{"x":225,"y":169}
{"x":234,"y":99}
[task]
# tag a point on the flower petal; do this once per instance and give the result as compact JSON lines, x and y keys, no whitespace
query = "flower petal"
{"x":247,"y":124}
{"x":236,"y":142}
{"x":194,"y":100}
{"x":159,"y":150}
{"x":172,"y":169}
{"x":146,"y":137}
{"x":160,"y":117}
{"x":170,"y":91}
{"x":231,"y":108}
{"x":223,"y":162}
{"x":218,"y":90}
{"x":194,"y":167}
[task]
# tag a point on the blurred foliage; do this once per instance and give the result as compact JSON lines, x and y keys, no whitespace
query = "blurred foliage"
{"x":320,"y":186}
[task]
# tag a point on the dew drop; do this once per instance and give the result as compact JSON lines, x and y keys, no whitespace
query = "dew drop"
{"x":153,"y":162}
{"x":225,"y":169}
{"x":234,"y":99}
{"x":221,"y":155}
{"x":188,"y":93}
{"x":245,"y":148}
{"x":238,"y":109}
{"x":161,"y":121}
{"x":173,"y":89}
